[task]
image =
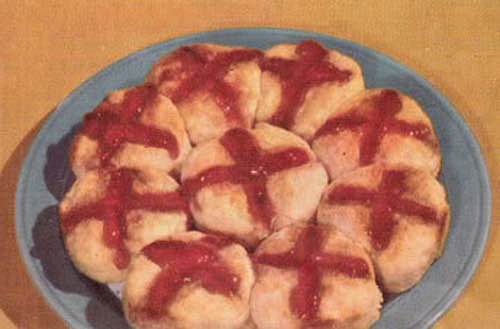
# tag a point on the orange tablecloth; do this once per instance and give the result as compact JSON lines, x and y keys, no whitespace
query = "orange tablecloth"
{"x":49,"y":47}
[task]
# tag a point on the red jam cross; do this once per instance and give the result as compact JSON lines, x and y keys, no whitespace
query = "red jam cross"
{"x":373,"y":124}
{"x":252,"y":168}
{"x":114,"y":124}
{"x":184,"y":263}
{"x":384,"y":203}
{"x":119,"y":199}
{"x":311,"y":69}
{"x":200,"y":69}
{"x":311,"y":262}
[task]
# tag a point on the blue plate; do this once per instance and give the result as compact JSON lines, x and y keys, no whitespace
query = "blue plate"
{"x":46,"y":176}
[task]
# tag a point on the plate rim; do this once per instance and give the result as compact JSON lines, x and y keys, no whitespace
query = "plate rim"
{"x":427,"y":319}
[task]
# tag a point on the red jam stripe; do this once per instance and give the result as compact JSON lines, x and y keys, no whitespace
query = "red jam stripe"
{"x":374,"y":123}
{"x":119,"y":199}
{"x":184,"y":263}
{"x":385,"y":202}
{"x":311,"y":263}
{"x":309,"y":70}
{"x":203,"y":70}
{"x":252,"y":169}
{"x":112,"y":125}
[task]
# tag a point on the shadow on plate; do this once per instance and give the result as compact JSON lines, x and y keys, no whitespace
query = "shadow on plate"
{"x":104,"y":308}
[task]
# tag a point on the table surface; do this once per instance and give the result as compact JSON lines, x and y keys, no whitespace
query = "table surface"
{"x":50,"y":47}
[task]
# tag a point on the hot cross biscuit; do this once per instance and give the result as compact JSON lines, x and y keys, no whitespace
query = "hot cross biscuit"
{"x":109,"y":215}
{"x":134,"y":128}
{"x":251,"y":182}
{"x":190,"y":280}
{"x":313,"y":276}
{"x":302,"y":84}
{"x":378,"y":125}
{"x":399,"y":214}
{"x":215,"y":87}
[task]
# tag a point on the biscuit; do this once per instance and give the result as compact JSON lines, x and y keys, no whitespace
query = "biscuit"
{"x":250,"y":182}
{"x":303,"y":84}
{"x":215,"y":87}
{"x":190,"y":280}
{"x":134,"y":128}
{"x":377,"y":125}
{"x":110,"y":214}
{"x":313,"y":276}
{"x":399,"y":214}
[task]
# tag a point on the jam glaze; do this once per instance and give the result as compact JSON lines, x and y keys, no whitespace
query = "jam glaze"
{"x":113,"y":124}
{"x":112,"y":209}
{"x":385,"y":202}
{"x":184,"y":263}
{"x":311,"y":262}
{"x":200,"y":69}
{"x":252,"y":168}
{"x":297,"y":76}
{"x":373,"y":120}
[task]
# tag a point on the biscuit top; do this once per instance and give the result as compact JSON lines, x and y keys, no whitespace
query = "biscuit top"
{"x":119,"y":199}
{"x":308,"y":257}
{"x":373,"y":118}
{"x":311,"y":68}
{"x":385,"y":201}
{"x":252,"y":168}
{"x":113,"y":124}
{"x":199,"y":68}
{"x":184,"y":263}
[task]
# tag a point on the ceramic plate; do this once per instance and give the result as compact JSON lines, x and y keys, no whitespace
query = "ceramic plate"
{"x":46,"y":176}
